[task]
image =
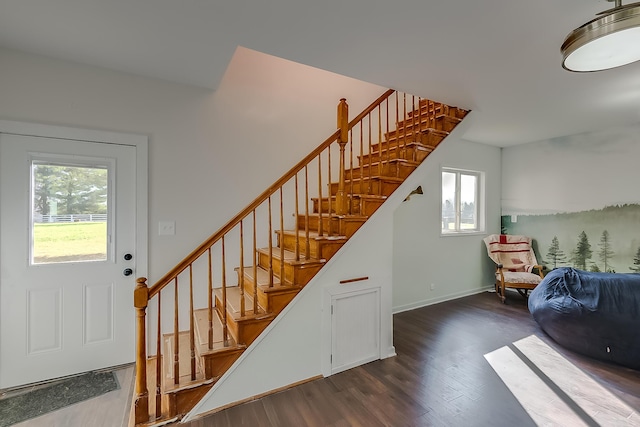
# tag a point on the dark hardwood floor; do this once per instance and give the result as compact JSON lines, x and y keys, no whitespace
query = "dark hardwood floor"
{"x":438,"y":378}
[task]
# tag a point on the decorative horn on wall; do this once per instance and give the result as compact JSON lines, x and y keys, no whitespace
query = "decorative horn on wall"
{"x":416,"y":191}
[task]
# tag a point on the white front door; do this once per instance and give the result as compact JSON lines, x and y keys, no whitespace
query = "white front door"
{"x":67,"y":257}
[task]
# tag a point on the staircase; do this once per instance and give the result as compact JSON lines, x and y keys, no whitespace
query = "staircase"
{"x":195,"y":322}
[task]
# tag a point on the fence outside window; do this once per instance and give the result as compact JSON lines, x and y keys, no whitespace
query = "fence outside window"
{"x":70,"y":218}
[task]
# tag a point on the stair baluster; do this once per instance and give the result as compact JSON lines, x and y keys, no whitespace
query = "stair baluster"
{"x":210,"y":300}
{"x":241,"y":276}
{"x":255,"y":264}
{"x":225,"y":323}
{"x":320,"y":225}
{"x":158,"y":360}
{"x":297,"y":248}
{"x":281,"y":233}
{"x":307,"y":245}
{"x":343,"y":138}
{"x":192,"y":340}
{"x":329,"y":177}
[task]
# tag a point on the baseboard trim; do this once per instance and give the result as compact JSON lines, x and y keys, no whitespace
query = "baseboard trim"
{"x":449,"y":297}
{"x":256,"y":397}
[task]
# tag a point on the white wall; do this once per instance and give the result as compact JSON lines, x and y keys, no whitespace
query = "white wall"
{"x":206,"y":149}
{"x":455,"y":265}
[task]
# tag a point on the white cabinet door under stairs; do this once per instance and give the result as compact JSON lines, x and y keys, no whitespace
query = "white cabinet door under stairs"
{"x":355,"y":329}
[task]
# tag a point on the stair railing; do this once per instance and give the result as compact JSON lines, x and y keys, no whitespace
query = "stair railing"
{"x":357,"y":144}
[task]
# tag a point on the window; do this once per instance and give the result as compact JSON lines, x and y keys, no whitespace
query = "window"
{"x":69,"y":220}
{"x":461,"y":201}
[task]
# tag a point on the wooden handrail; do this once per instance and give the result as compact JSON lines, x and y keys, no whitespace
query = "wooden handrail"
{"x":204,"y":246}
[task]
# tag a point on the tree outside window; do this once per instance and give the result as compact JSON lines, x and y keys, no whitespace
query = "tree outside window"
{"x":460,"y":201}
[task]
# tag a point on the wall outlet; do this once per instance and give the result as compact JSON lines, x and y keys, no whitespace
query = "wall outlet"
{"x":433,"y":286}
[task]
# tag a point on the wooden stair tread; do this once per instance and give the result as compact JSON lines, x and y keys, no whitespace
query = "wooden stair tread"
{"x":188,"y":384}
{"x":263,"y":281}
{"x":425,"y":118}
{"x":358,"y":196}
{"x":392,"y":137}
{"x":233,"y":302}
{"x":335,"y":216}
{"x":290,"y":257}
{"x":184,"y":354}
{"x":202,"y":336}
{"x":314,"y":235}
{"x":411,"y":144}
{"x":390,"y":160}
{"x":374,"y":177}
{"x":263,"y":276}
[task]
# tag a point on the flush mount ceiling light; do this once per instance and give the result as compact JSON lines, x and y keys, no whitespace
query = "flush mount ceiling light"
{"x":611,"y":40}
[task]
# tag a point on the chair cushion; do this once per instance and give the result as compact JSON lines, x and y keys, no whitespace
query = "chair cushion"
{"x":520,"y":277}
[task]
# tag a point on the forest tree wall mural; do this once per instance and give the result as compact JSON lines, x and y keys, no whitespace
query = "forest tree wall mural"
{"x":578,"y":197}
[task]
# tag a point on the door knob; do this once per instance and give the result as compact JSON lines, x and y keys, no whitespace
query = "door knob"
{"x":128,"y":257}
{"x":127,"y":272}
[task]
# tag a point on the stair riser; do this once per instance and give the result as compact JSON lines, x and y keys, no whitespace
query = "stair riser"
{"x":181,"y":402}
{"x":298,"y":275}
{"x":355,"y":206}
{"x":368,"y":206}
{"x":274,"y":303}
{"x":418,"y":124}
{"x":364,"y":206}
{"x":426,"y":110}
{"x":440,"y":109}
{"x":243,"y":331}
{"x":413,"y":153}
{"x":443,"y":123}
{"x":392,"y":169}
{"x":429,"y":137}
{"x":271,"y":300}
{"x":339,"y":226}
{"x":216,"y":365}
{"x":374,"y":186}
{"x":319,"y":249}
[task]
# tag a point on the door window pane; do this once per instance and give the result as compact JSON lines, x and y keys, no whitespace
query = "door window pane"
{"x":69,"y":213}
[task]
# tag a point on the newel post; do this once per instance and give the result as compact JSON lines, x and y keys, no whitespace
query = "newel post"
{"x":140,"y":300}
{"x":343,"y":138}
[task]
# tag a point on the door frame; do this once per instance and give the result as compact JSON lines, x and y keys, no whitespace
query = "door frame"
{"x":140,"y":142}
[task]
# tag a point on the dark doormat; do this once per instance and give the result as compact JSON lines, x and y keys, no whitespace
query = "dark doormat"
{"x":47,"y":398}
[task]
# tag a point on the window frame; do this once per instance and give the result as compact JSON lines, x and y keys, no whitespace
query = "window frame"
{"x":479,"y":202}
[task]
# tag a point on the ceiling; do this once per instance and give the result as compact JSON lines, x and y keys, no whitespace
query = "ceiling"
{"x":500,"y":58}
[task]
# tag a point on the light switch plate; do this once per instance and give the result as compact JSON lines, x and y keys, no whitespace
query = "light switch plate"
{"x":166,"y":228}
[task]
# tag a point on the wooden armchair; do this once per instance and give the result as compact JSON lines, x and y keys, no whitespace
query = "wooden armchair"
{"x":515,"y":263}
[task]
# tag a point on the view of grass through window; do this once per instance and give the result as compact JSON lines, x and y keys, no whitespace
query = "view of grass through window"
{"x":69,"y":213}
{"x":77,"y":241}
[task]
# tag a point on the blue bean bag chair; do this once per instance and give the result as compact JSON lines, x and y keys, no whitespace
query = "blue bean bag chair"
{"x":595,"y":314}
